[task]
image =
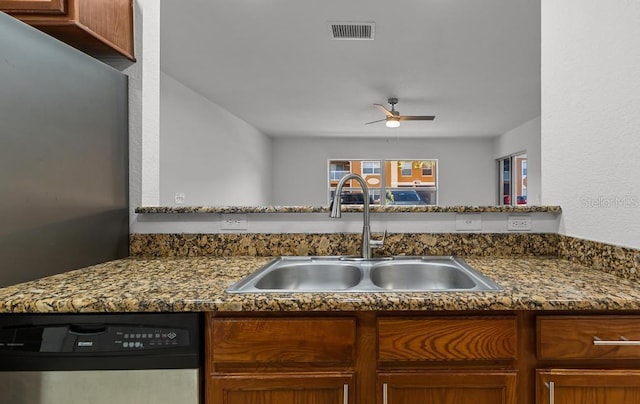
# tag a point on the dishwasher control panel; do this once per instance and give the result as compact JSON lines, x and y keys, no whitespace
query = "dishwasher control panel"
{"x":92,"y":338}
{"x":151,"y":338}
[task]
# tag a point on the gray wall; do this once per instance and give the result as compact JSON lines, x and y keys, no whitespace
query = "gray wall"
{"x":211,"y":156}
{"x":63,"y":157}
{"x":466,"y":166}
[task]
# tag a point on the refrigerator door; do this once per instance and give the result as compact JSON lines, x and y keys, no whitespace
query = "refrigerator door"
{"x":63,"y":156}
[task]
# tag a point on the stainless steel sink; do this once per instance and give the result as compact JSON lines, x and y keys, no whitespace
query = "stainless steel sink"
{"x":310,"y":276}
{"x":435,"y":274}
{"x":346,"y":274}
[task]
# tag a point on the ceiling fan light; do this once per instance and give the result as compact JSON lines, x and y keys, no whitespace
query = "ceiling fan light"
{"x":392,"y":123}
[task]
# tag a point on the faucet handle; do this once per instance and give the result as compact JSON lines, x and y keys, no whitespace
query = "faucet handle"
{"x":378,"y":243}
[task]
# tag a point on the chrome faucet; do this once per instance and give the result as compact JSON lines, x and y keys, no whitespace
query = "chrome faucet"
{"x":367,"y":243}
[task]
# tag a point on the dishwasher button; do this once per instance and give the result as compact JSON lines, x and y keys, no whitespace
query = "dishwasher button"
{"x":172,"y":335}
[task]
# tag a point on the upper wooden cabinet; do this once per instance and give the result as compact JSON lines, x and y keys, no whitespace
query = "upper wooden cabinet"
{"x":100,"y":28}
{"x":33,"y":6}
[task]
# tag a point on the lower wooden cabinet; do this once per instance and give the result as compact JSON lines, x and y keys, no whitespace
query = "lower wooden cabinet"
{"x":311,"y":388}
{"x":482,"y":387}
{"x":418,"y":358}
{"x":575,"y":386}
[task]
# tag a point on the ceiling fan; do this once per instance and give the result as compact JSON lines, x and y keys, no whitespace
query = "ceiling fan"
{"x":393,"y":117}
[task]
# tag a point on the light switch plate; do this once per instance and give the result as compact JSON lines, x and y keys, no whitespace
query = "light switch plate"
{"x":468,"y":221}
{"x":234,"y":221}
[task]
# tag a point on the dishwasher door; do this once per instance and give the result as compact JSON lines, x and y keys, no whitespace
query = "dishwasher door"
{"x":101,"y":358}
{"x":154,"y":386}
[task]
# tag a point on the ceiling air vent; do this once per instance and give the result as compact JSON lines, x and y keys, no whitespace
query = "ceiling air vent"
{"x":352,"y":30}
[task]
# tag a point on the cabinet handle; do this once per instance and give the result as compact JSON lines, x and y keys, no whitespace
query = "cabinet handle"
{"x":552,"y":392}
{"x":384,"y":393}
{"x":345,"y":394}
{"x":621,"y":342}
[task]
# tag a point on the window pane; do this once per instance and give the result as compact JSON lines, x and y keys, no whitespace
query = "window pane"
{"x":405,"y":169}
{"x":371,"y":167}
{"x":411,"y":182}
{"x":513,"y":179}
{"x":520,"y":178}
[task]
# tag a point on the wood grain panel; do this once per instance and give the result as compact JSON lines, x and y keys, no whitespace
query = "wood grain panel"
{"x":572,"y":337}
{"x":33,"y":6}
{"x":448,"y":388}
{"x":101,"y":28}
{"x":110,"y":20}
{"x":265,"y":340}
{"x":589,"y":386}
{"x":281,"y":389}
{"x":438,"y":339}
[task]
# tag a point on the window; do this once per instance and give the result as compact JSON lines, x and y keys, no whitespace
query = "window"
{"x":512,"y":178}
{"x":390,"y":182}
{"x":427,"y":168}
{"x":370,"y":167}
{"x":338,"y":170}
{"x":406,"y":169}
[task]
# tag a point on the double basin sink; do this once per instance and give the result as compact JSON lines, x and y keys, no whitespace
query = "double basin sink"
{"x":347,"y":274}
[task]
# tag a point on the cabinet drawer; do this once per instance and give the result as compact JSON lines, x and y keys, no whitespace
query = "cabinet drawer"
{"x":255,"y":340}
{"x":436,"y":339}
{"x":588,"y":337}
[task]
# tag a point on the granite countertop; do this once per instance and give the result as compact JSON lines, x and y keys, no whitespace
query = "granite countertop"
{"x":198,"y":284}
{"x":347,"y":208}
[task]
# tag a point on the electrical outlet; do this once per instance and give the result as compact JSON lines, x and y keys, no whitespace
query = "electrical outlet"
{"x":519,"y":223}
{"x":468,"y":221}
{"x":179,"y":197}
{"x":234,"y":221}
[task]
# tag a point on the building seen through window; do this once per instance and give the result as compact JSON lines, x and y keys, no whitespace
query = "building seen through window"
{"x":390,"y":182}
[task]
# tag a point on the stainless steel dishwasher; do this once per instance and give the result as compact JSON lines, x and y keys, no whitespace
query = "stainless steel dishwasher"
{"x":100,"y":358}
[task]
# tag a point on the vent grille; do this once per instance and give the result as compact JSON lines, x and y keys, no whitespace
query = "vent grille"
{"x":352,"y":30}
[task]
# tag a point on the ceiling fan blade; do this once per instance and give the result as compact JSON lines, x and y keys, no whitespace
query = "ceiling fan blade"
{"x":379,"y":120}
{"x":416,"y":117}
{"x":383,"y":109}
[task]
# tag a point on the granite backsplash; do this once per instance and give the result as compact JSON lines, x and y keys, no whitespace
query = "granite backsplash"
{"x":623,"y":262}
{"x":267,"y":245}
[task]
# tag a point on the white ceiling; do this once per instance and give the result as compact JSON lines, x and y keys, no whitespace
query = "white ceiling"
{"x":475,"y":64}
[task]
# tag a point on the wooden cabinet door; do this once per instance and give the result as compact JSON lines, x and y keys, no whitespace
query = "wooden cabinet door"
{"x":588,"y":387}
{"x":447,"y":388}
{"x":281,"y":389}
{"x":33,"y":6}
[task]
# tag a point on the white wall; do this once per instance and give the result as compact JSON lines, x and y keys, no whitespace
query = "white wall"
{"x":466,"y":166}
{"x":208,"y":154}
{"x":144,"y":106}
{"x":590,"y":117}
{"x":525,"y":137}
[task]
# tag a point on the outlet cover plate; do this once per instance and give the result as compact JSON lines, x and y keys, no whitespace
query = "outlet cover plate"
{"x":233,"y":221}
{"x":519,"y":223}
{"x":468,"y":221}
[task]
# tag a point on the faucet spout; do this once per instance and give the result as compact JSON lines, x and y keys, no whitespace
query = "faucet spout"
{"x":336,"y":212}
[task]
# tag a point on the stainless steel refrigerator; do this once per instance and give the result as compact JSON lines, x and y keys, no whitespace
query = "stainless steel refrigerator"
{"x":63,"y":157}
